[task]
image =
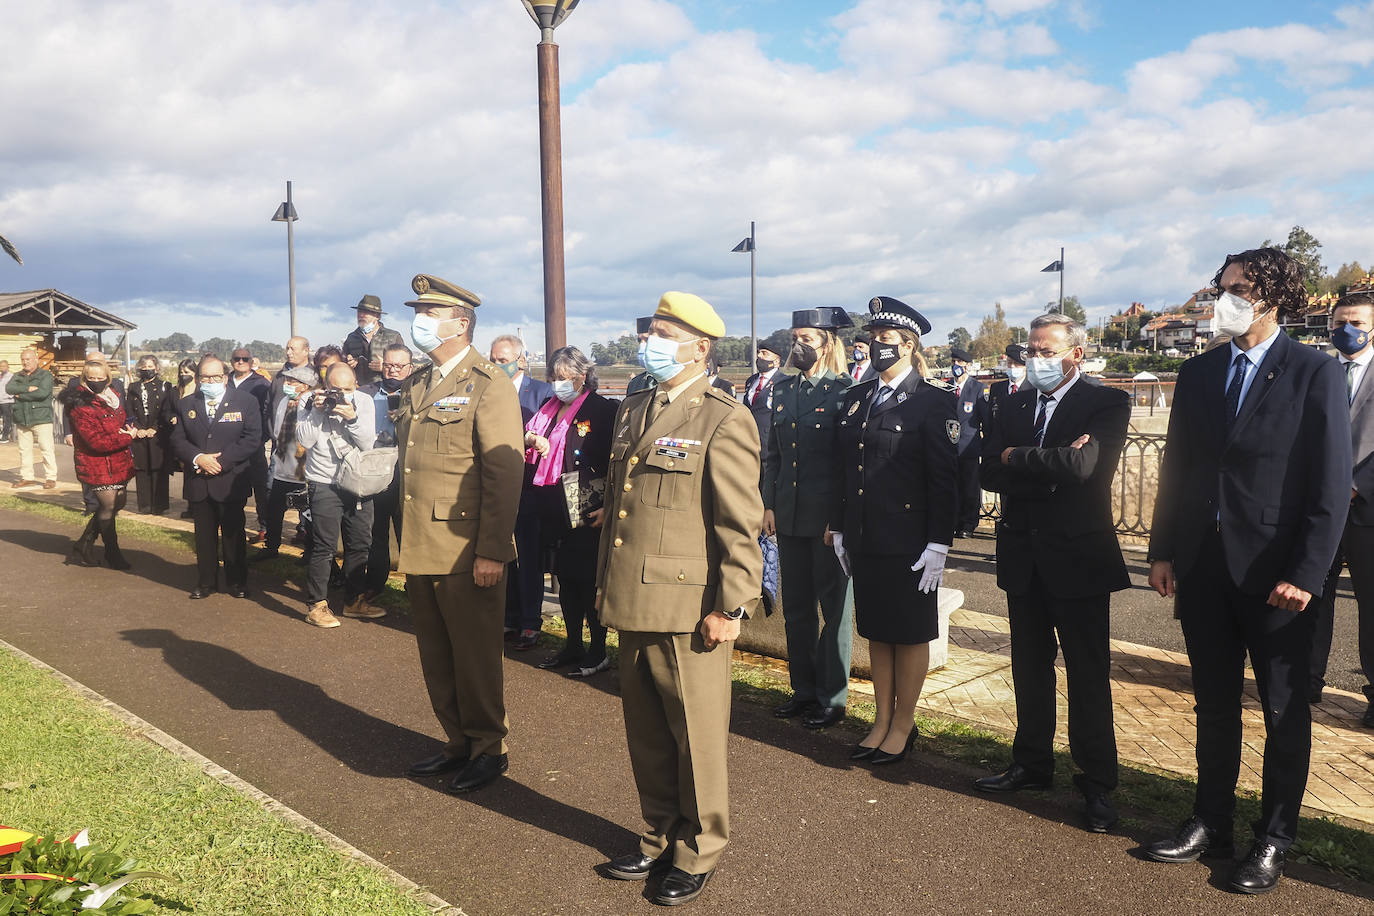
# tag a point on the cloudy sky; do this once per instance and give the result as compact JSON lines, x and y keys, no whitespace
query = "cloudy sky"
{"x":940,"y":151}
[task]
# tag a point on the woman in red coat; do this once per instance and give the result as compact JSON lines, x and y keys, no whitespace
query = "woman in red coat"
{"x":101,"y":434}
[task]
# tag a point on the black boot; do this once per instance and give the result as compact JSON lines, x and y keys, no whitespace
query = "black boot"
{"x":83,"y":548}
{"x":113,"y":558}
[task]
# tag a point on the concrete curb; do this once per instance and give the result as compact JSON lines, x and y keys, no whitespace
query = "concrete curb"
{"x":287,"y":815}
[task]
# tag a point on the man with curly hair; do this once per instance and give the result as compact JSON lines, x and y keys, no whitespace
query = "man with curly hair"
{"x":1253,"y":493}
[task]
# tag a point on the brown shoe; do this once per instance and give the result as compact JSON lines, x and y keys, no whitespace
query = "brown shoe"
{"x":320,"y":616}
{"x":361,"y":608}
{"x":21,"y":484}
{"x":50,"y":485}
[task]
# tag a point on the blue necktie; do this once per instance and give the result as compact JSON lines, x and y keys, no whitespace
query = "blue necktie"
{"x":1041,"y":420}
{"x":1238,"y":370}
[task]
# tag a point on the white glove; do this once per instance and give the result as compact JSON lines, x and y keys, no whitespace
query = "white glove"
{"x":837,"y":540}
{"x":933,"y":562}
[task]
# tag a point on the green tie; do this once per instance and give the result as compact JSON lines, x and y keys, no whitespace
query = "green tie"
{"x":659,"y":402}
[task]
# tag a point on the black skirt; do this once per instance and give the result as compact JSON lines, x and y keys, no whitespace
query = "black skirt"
{"x":889,"y":605}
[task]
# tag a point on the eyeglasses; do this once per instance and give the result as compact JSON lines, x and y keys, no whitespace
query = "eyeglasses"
{"x":212,"y":378}
{"x":1046,"y":354}
{"x":395,"y":367}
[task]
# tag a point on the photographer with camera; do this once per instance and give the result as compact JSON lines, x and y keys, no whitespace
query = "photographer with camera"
{"x":288,"y":490}
{"x":386,"y":398}
{"x":329,"y":425}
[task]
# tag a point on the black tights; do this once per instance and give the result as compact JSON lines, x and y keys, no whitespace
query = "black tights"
{"x":109,"y":502}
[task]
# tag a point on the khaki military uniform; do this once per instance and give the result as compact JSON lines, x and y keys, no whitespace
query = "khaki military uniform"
{"x":680,"y":541}
{"x":461,"y":460}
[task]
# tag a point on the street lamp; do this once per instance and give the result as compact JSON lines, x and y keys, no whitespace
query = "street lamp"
{"x":549,"y":15}
{"x":286,"y":213}
{"x":748,"y":245}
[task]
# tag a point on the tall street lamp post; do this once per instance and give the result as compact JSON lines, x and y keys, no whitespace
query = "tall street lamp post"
{"x":748,"y":245}
{"x":286,"y":213}
{"x":549,"y":15}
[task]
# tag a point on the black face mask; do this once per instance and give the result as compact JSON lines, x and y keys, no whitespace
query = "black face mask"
{"x":392,"y":384}
{"x":185,"y":379}
{"x":147,"y":374}
{"x":885,"y":356}
{"x":763,"y":365}
{"x":98,"y":386}
{"x":804,"y":356}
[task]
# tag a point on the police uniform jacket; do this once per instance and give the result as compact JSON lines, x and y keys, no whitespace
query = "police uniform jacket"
{"x":683,"y":513}
{"x":971,"y":407}
{"x":461,"y":457}
{"x":235,"y":432}
{"x":145,"y":409}
{"x":898,"y":488}
{"x":801,"y":474}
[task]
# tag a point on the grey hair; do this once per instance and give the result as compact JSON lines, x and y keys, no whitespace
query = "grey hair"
{"x":1075,"y":332}
{"x":511,"y":339}
{"x":571,"y":361}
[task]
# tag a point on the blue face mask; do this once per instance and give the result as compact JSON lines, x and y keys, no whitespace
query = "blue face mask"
{"x":659,"y":356}
{"x":424,"y":333}
{"x":859,"y":355}
{"x":956,"y":371}
{"x":1044,"y":374}
{"x":213,"y":391}
{"x":564,"y":390}
{"x":1349,"y":339}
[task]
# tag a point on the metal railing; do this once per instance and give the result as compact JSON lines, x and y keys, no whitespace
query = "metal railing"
{"x":1133,"y":487}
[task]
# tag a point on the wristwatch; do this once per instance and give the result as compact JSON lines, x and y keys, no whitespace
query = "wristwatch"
{"x":736,"y":614}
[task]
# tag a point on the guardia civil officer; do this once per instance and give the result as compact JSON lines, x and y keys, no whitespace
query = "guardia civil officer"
{"x":679,"y":566}
{"x":801,"y":474}
{"x":893,"y":517}
{"x":461,"y":457}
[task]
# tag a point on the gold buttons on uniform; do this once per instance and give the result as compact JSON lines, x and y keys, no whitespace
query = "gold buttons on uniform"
{"x":617,"y":542}
{"x":634,"y":459}
{"x":622,"y":513}
{"x":861,"y":445}
{"x":907,"y":506}
{"x":681,"y":577}
{"x":628,"y":488}
{"x":410,"y":443}
{"x":463,"y":514}
{"x":407,"y":470}
{"x":861,"y":491}
{"x":861,"y":467}
{"x":670,"y":462}
{"x":408,"y":497}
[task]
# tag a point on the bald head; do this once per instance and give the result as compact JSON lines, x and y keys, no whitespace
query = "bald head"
{"x":297,"y":351}
{"x":342,"y":377}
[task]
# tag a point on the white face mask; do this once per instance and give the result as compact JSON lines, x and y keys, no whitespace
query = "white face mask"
{"x":1234,"y":314}
{"x":565,"y":390}
{"x":1017,"y":374}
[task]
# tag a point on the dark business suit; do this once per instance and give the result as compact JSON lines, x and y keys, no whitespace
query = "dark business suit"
{"x":1000,"y":390}
{"x":970,"y":410}
{"x":1242,"y":505}
{"x":217,"y":500}
{"x":525,"y":574}
{"x":261,"y":389}
{"x":1058,"y":560}
{"x":760,"y":404}
{"x":865,"y":373}
{"x":1356,"y":552}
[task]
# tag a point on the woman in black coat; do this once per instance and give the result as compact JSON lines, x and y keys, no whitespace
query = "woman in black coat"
{"x":571,"y":435}
{"x":144,"y":400}
{"x":185,"y":387}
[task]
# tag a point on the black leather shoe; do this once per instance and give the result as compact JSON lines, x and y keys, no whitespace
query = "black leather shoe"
{"x":563,"y":657}
{"x":482,"y":769}
{"x":238,"y":591}
{"x":793,"y":707}
{"x":1192,"y":842}
{"x":1013,"y":779}
{"x":1099,"y":813}
{"x":636,"y":866}
{"x":824,"y":717}
{"x":679,"y":887}
{"x":883,"y":758}
{"x":198,"y":593}
{"x":862,"y":752}
{"x":1368,"y":720}
{"x":439,"y":763}
{"x":1259,"y":872}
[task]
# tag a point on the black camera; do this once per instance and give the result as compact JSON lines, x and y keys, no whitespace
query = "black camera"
{"x":333,"y":397}
{"x":393,"y":400}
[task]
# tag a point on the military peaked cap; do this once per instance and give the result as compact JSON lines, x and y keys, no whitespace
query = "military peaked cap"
{"x":886,"y":312}
{"x":436,"y":291}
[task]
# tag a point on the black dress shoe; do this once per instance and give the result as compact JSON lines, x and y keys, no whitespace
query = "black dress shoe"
{"x":824,"y":717}
{"x":862,"y":752}
{"x":636,"y":866}
{"x":793,"y":707}
{"x":480,"y":770}
{"x":198,"y":593}
{"x":679,"y":887}
{"x":238,"y":591}
{"x":1013,"y":779}
{"x":883,"y":758}
{"x":1099,"y":813}
{"x":563,"y":657}
{"x":1368,"y":720}
{"x":1259,"y":872}
{"x":1193,"y":841}
{"x":439,"y":763}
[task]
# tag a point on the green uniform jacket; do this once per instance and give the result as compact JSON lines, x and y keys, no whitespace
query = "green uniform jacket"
{"x":641,"y":382}
{"x":801,"y":472}
{"x":682,"y":521}
{"x":31,"y":408}
{"x":462,"y":463}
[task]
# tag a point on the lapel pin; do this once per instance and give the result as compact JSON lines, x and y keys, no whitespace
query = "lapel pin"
{"x":1269,"y":377}
{"x":190,"y":414}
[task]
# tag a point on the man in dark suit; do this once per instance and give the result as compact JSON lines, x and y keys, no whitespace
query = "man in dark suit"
{"x":643,"y":380}
{"x":1352,"y":333}
{"x":758,"y":391}
{"x":1051,"y":451}
{"x":525,"y":576}
{"x":242,"y":377}
{"x":215,"y":434}
{"x":970,"y":407}
{"x":1253,"y":493}
{"x":861,"y":370}
{"x":1015,"y":380}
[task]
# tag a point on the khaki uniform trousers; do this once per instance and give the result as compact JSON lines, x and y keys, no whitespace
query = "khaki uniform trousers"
{"x":458,"y":628}
{"x":676,"y":697}
{"x":43,"y":433}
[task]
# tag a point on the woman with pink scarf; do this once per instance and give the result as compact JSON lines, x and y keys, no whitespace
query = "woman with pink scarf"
{"x":568,"y":440}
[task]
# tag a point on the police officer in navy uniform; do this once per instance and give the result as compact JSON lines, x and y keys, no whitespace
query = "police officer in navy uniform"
{"x":1014,"y":382}
{"x":971,"y":407}
{"x":758,"y":391}
{"x":801,"y":471}
{"x":892,"y":521}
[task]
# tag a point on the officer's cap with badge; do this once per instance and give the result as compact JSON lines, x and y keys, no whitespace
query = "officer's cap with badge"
{"x":886,"y":312}
{"x":1016,"y":353}
{"x":642,"y":324}
{"x":825,"y":318}
{"x":692,"y":312}
{"x":960,"y":354}
{"x":432,"y":290}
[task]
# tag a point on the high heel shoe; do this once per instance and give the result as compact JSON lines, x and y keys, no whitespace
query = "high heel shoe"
{"x":881,"y":757}
{"x":862,"y":752}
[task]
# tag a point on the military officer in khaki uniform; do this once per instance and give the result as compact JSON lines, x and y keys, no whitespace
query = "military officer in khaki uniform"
{"x":679,"y":567}
{"x":461,"y":458}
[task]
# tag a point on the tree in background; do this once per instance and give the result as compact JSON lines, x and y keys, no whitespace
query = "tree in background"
{"x":1346,"y":277}
{"x":993,"y":335}
{"x":1306,"y":250}
{"x":1074,"y":309}
{"x":173,"y":343}
{"x":961,"y":338}
{"x":219,"y":346}
{"x":1019,"y":334}
{"x":267,"y":351}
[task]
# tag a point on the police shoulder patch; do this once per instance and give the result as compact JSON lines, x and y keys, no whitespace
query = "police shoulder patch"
{"x":952,"y":430}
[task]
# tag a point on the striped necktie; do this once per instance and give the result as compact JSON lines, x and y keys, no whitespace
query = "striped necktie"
{"x":1042,"y":419}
